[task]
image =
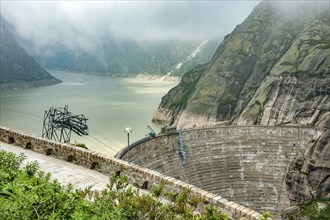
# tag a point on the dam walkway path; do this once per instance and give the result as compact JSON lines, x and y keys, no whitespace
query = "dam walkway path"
{"x":63,"y":171}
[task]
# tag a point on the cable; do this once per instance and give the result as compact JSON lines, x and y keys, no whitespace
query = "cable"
{"x":37,"y":116}
{"x":100,"y":146}
{"x":105,"y":137}
{"x":94,"y":143}
{"x":24,"y":113}
{"x":25,"y":116}
{"x":102,"y":143}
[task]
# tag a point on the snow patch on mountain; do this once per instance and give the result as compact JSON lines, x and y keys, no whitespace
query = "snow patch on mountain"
{"x":191,"y":56}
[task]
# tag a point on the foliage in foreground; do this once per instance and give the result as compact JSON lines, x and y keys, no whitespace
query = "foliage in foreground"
{"x":265,"y":216}
{"x":27,"y":193}
{"x":311,"y":211}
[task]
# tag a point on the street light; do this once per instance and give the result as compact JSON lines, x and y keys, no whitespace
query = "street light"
{"x":128,"y":130}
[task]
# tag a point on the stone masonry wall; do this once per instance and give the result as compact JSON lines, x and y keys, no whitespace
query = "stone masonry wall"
{"x":246,"y":165}
{"x":137,"y":175}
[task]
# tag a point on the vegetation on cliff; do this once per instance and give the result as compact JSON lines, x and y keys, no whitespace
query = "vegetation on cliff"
{"x":17,"y":67}
{"x":272,"y":69}
{"x":27,"y":193}
{"x":317,"y":209}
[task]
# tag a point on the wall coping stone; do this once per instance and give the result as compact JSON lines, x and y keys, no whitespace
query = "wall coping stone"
{"x":126,"y":149}
{"x":245,"y":211}
{"x":217,"y":197}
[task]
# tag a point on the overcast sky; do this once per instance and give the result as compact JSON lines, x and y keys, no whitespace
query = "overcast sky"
{"x":77,"y":22}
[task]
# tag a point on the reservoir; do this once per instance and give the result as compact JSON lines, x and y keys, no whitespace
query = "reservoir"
{"x":110,"y":104}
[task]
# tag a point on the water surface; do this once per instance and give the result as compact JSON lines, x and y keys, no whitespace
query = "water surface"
{"x":110,"y":104}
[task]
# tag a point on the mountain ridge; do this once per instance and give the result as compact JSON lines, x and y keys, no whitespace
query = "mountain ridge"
{"x":272,"y":69}
{"x":122,"y":57}
{"x":18,"y":68}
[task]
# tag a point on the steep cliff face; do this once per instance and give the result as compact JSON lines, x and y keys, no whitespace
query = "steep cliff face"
{"x":308,"y":176}
{"x":18,"y":68}
{"x":273,"y":69}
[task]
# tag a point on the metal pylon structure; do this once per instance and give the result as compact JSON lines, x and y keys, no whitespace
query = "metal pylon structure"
{"x":59,"y":122}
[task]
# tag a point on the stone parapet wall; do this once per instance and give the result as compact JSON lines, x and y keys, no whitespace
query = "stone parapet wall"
{"x":138,"y":176}
{"x":246,"y":165}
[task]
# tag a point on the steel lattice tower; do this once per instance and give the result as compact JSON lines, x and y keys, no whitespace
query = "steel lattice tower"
{"x":59,"y":122}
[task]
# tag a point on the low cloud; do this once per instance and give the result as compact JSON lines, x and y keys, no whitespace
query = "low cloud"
{"x":84,"y":24}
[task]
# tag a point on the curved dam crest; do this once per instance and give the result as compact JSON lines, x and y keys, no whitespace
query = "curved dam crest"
{"x":241,"y":170}
{"x":247,"y":164}
{"x":138,"y":176}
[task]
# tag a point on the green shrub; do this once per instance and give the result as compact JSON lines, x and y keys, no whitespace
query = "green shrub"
{"x":157,"y":190}
{"x":312,"y":211}
{"x":30,"y":194}
{"x":265,"y":216}
{"x":82,"y":145}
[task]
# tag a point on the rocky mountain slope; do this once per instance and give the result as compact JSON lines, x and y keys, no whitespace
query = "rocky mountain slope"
{"x":18,"y":68}
{"x":118,"y":57}
{"x":273,"y":69}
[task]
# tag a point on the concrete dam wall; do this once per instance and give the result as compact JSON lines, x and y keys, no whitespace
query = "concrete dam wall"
{"x":138,"y":176}
{"x":247,"y":165}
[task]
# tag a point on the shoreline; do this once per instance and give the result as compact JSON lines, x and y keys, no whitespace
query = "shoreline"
{"x":154,"y":77}
{"x":165,"y":78}
{"x":28,"y":84}
{"x":48,"y":82}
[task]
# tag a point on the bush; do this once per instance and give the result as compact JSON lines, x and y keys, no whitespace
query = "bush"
{"x":82,"y":145}
{"x":27,"y":193}
{"x":312,"y":211}
{"x":265,"y":216}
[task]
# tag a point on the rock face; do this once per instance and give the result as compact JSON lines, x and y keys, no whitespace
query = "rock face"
{"x":308,"y":176}
{"x":18,"y":68}
{"x":273,"y":69}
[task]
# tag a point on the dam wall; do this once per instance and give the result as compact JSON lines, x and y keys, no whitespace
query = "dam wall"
{"x":247,"y":165}
{"x":138,"y":176}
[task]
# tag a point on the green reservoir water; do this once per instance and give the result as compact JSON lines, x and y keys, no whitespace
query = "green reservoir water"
{"x":110,"y":104}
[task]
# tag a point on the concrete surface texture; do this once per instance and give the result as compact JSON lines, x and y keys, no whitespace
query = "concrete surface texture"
{"x":247,"y":165}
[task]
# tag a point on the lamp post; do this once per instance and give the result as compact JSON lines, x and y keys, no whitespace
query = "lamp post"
{"x":128,"y":130}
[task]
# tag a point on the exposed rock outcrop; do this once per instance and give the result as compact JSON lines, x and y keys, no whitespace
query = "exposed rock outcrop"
{"x":309,"y":174}
{"x":272,"y":69}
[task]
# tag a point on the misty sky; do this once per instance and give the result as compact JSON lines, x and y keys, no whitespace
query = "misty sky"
{"x":77,"y":22}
